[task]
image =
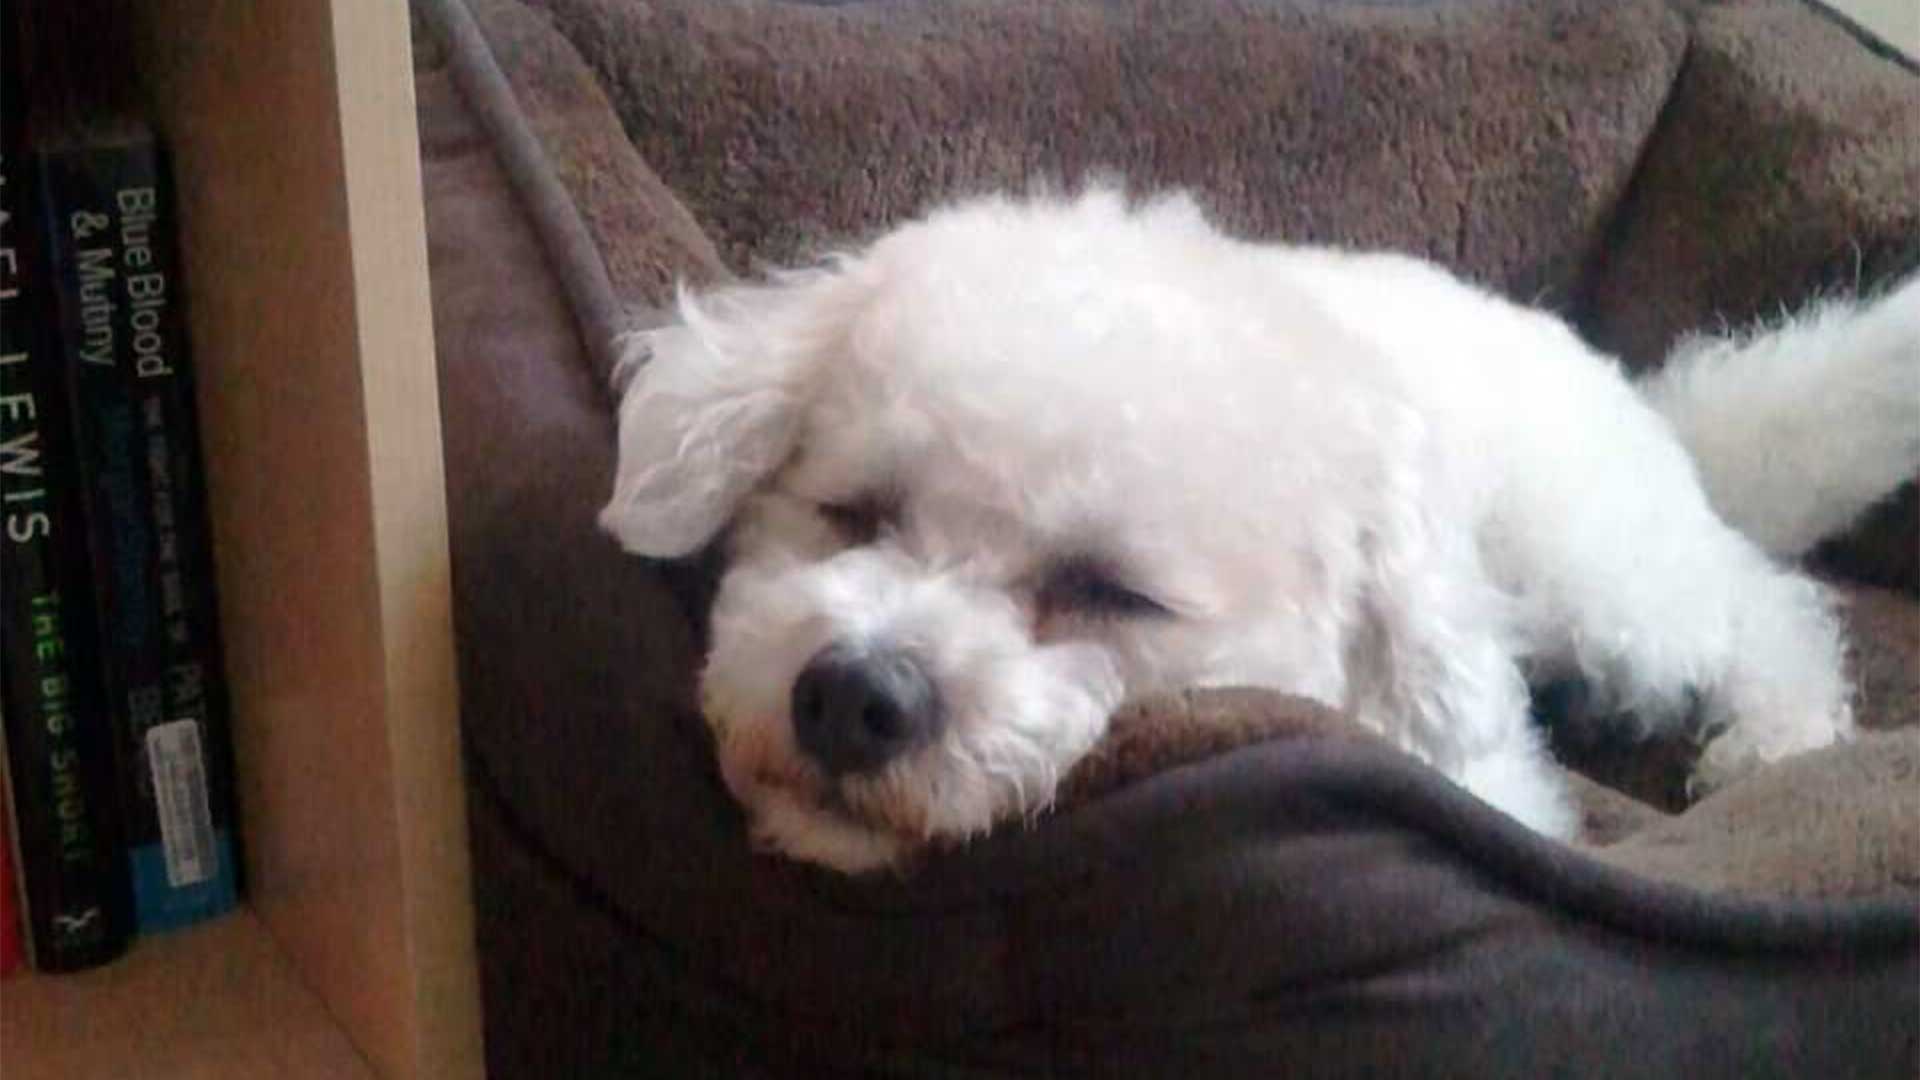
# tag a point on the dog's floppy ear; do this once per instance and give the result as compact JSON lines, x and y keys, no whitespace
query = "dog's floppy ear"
{"x":712,"y":404}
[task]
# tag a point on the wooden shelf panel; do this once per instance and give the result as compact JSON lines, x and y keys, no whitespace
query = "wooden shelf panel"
{"x":291,"y":129}
{"x":215,"y":1002}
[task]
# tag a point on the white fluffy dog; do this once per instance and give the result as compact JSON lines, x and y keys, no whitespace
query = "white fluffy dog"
{"x":1020,"y":459}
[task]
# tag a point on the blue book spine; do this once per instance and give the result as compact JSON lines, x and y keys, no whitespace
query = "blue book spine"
{"x":135,"y":428}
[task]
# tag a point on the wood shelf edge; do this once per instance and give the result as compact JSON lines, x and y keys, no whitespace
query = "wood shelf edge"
{"x":216,"y":1001}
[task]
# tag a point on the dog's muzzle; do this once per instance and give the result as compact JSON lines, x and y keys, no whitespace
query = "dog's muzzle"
{"x":856,"y":710}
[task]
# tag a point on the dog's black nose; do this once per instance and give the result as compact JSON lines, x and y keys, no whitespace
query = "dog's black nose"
{"x":854,"y":711}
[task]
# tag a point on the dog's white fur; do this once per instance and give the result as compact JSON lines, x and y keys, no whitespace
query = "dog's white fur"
{"x":1349,"y":476}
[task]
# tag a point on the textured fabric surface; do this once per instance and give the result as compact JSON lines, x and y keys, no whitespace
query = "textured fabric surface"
{"x":1885,"y":631}
{"x":1372,"y":953}
{"x":1843,"y":821}
{"x":1495,"y":137}
{"x":1794,"y":138}
{"x":1265,"y":887}
{"x":645,"y":235}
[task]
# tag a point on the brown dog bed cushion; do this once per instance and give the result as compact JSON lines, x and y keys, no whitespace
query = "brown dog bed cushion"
{"x":1239,"y":881}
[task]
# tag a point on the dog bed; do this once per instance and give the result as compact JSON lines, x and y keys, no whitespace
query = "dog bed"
{"x":1236,"y":883}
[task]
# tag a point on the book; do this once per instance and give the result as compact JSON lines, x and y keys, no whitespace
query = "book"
{"x":104,"y":200}
{"x":105,"y":211}
{"x":59,"y":738}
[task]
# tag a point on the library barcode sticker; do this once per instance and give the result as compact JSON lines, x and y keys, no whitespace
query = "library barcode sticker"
{"x":180,"y":795}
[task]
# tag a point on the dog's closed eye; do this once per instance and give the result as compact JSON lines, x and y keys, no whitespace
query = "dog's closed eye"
{"x":1085,"y":588}
{"x":861,"y":519}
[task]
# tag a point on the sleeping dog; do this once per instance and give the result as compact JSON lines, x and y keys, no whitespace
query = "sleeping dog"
{"x":1023,"y":458}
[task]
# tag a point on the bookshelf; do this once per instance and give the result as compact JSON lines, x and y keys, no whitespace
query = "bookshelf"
{"x":291,"y":126}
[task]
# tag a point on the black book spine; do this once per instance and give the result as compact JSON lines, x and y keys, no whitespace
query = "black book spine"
{"x":186,"y":769}
{"x":60,"y":739}
{"x":135,"y":433}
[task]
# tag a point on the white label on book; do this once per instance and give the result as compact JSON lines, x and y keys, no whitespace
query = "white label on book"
{"x":180,"y":793}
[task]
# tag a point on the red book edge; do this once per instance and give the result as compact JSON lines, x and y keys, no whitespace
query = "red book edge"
{"x":13,"y":951}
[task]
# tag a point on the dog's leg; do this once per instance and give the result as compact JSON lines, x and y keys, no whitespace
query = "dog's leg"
{"x":1783,"y":689}
{"x":1707,"y":612}
{"x":1623,"y":572}
{"x":1430,"y":666}
{"x":1796,"y":429}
